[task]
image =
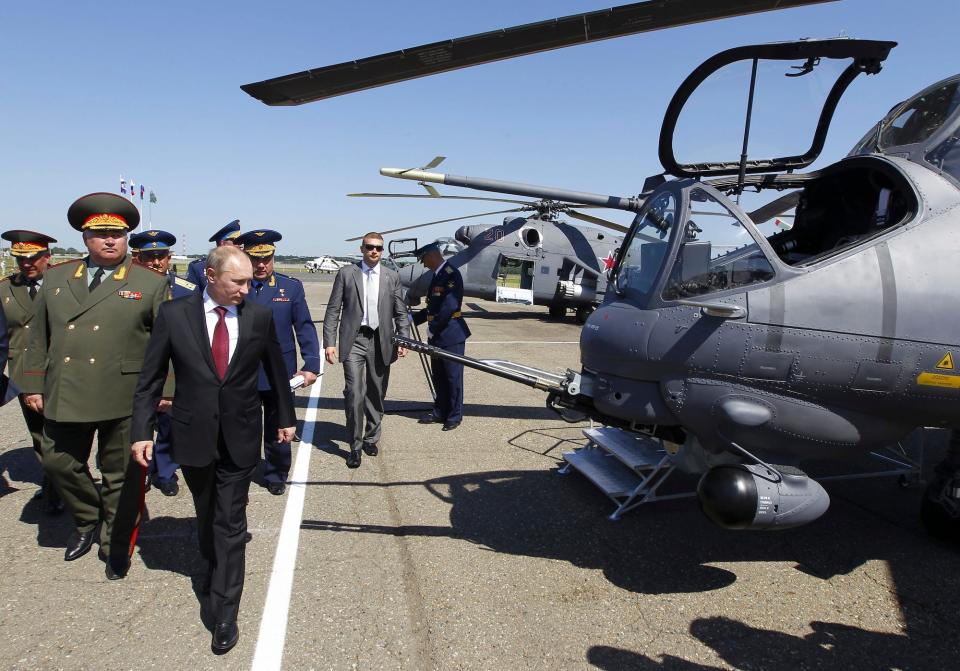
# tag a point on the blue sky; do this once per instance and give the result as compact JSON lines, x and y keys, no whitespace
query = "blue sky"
{"x":91,"y":91}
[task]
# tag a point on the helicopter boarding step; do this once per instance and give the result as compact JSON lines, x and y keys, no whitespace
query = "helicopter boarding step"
{"x":626,"y":466}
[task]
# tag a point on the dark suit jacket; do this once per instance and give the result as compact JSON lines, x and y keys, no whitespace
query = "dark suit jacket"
{"x":345,"y":308}
{"x":203,"y":405}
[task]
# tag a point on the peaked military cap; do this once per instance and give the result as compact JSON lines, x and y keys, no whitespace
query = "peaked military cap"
{"x":426,"y":249}
{"x":259,"y":242}
{"x":228,"y":232}
{"x":154,"y":240}
{"x":27,"y":243}
{"x":103,"y":211}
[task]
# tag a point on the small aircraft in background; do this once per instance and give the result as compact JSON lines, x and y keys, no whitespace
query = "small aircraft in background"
{"x":324,"y":264}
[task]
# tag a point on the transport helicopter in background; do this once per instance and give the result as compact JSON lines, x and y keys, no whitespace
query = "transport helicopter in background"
{"x":755,"y":349}
{"x":324,"y":264}
{"x":532,"y":260}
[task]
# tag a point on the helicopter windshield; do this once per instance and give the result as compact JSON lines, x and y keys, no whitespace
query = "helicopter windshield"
{"x":647,"y":246}
{"x":716,"y":251}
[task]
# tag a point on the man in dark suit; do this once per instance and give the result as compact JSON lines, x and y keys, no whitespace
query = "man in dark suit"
{"x":196,"y":271}
{"x":367,"y":305}
{"x":217,"y":343}
{"x":448,"y":331}
{"x":285,"y":297}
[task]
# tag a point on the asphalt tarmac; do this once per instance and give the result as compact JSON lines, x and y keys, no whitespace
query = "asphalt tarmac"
{"x":467,"y":550}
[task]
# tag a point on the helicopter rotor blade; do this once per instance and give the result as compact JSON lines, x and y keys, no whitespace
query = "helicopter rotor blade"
{"x":440,"y":195}
{"x":443,"y":221}
{"x":437,"y":57}
{"x":774,"y":208}
{"x":597,"y":221}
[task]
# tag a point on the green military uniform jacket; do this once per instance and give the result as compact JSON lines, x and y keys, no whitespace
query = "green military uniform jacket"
{"x":19,"y":310}
{"x":85,"y":348}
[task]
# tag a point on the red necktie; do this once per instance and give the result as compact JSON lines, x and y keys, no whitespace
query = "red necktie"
{"x":221,"y":343}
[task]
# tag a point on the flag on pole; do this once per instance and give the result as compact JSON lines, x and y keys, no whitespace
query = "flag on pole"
{"x":133,"y":188}
{"x":153,"y":196}
{"x":123,"y":185}
{"x":141,"y":192}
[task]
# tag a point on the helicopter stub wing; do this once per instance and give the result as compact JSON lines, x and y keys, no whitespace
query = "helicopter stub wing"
{"x":429,"y":59}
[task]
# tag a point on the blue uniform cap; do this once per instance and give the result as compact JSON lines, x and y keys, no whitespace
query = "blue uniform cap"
{"x":149,"y":240}
{"x":259,"y":242}
{"x":426,"y":249}
{"x":231,"y":230}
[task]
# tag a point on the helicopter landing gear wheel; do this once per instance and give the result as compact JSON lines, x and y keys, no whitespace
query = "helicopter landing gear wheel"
{"x":940,"y":509}
{"x":583,"y":312}
{"x":557,"y":311}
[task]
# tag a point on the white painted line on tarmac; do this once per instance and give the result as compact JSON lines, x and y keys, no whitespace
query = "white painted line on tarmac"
{"x":273,"y":624}
{"x":523,"y":342}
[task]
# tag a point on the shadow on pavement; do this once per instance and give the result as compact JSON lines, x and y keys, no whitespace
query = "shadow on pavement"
{"x":20,"y":464}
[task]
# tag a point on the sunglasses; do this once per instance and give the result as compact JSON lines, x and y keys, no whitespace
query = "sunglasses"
{"x":370,"y":248}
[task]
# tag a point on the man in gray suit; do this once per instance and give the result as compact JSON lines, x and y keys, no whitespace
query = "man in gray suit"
{"x":367,"y":305}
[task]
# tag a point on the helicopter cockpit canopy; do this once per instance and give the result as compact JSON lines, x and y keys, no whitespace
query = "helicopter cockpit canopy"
{"x":688,"y":241}
{"x":865,"y":56}
{"x":924,"y":129}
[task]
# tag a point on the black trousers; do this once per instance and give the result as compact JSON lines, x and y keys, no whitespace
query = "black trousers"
{"x":277,"y":455}
{"x":220,"y":492}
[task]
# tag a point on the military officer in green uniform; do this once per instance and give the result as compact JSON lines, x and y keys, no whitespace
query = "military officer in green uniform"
{"x":93,"y":320}
{"x":18,"y":301}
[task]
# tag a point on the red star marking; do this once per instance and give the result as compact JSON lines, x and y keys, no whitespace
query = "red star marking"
{"x":608,"y":262}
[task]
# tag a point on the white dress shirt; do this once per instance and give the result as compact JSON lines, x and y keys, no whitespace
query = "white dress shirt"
{"x":371,"y":294}
{"x":230,"y":318}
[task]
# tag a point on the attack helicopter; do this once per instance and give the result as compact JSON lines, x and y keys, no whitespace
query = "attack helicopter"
{"x":755,"y":350}
{"x":533,"y":260}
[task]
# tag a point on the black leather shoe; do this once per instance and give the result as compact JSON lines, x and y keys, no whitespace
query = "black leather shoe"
{"x":225,"y":636}
{"x":450,"y":426}
{"x":371,"y":449}
{"x":276,"y":488}
{"x":80,"y":546}
{"x":353,"y":461}
{"x":429,"y":419}
{"x":116,"y":572}
{"x":169,"y":488}
{"x":247,"y":537}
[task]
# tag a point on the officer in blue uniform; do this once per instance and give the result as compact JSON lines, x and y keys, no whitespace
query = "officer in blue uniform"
{"x":197,"y":270}
{"x":291,"y":316}
{"x":448,"y":331}
{"x":153,"y":249}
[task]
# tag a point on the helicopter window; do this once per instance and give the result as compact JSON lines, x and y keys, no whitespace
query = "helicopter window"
{"x":647,"y":248}
{"x":946,"y":156}
{"x":922,"y":117}
{"x":716,"y":253}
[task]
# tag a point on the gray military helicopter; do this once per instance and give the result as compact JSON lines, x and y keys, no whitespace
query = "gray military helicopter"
{"x":758,"y":350}
{"x":534,"y":260}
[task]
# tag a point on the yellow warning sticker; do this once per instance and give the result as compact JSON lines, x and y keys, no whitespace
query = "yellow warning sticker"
{"x":939,"y":380}
{"x":946,"y":363}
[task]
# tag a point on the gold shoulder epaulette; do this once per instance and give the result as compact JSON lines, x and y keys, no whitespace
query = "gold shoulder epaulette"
{"x":186,"y":284}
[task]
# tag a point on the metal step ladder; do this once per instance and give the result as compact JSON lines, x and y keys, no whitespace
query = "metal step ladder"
{"x":628,"y":467}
